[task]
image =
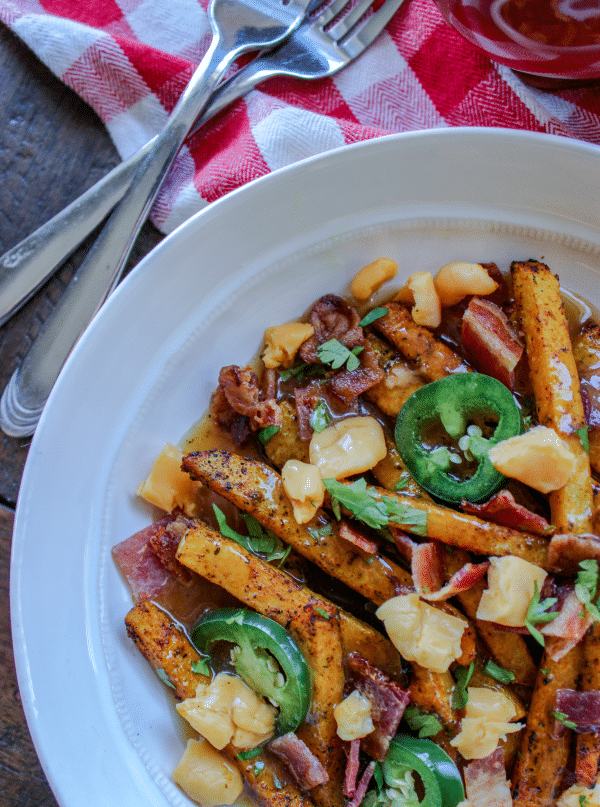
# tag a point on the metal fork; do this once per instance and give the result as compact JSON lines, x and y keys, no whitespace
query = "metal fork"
{"x":314,"y":50}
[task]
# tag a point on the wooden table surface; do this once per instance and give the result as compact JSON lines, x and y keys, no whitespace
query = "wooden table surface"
{"x":52,"y":147}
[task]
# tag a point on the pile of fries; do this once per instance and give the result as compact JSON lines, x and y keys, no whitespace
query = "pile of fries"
{"x":546,"y":757}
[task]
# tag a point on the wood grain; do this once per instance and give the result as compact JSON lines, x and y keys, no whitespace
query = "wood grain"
{"x":52,"y":147}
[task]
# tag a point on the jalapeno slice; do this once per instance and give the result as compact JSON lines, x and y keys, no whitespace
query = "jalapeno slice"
{"x":450,"y":425}
{"x":258,"y":642}
{"x":440,"y":781}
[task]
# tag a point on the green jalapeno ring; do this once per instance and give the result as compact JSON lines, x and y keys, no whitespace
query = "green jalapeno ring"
{"x":258,"y":640}
{"x":454,"y":402}
{"x":440,"y":778}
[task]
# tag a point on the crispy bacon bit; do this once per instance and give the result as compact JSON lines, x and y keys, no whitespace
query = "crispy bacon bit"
{"x":462,"y":580}
{"x":164,"y":544}
{"x":485,"y":782}
{"x":581,"y":708}
{"x":491,"y":344}
{"x":140,"y":565}
{"x":503,"y":509}
{"x":427,"y":567}
{"x":358,"y":538}
{"x":388,"y":701}
{"x":403,"y":542}
{"x":332,"y":318}
{"x":304,"y":766}
{"x":241,"y":388}
{"x":352,"y":769}
{"x":565,"y":551}
{"x":568,"y":628}
{"x":362,"y":785}
{"x":349,"y":384}
{"x":306,"y":399}
{"x":225,"y":416}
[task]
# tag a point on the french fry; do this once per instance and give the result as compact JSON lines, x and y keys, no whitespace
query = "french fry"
{"x":167,"y":648}
{"x":256,"y":489}
{"x":286,"y":444}
{"x":586,"y":352}
{"x":555,"y":385}
{"x":541,"y":759}
{"x":588,"y":745}
{"x":391,"y":472}
{"x":432,"y":358}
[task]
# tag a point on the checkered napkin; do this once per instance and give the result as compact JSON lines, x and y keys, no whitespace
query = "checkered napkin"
{"x":130,"y":60}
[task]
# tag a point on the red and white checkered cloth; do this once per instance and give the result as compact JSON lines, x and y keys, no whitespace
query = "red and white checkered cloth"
{"x":130,"y":60}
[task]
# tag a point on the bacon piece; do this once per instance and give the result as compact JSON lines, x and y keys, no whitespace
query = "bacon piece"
{"x":463,"y":580}
{"x":304,"y":766}
{"x":568,"y":628}
{"x":362,"y":785}
{"x":349,"y":384}
{"x":241,"y":388}
{"x":505,"y":510}
{"x":225,"y":416}
{"x":403,"y":542}
{"x":586,"y":351}
{"x":566,"y":550}
{"x":306,"y":399}
{"x":140,"y":565}
{"x":332,"y":318}
{"x":357,"y":538}
{"x":164,"y":544}
{"x":352,"y":769}
{"x":581,"y":708}
{"x":490,"y":343}
{"x":485,"y":782}
{"x":388,"y":702}
{"x":427,"y":567}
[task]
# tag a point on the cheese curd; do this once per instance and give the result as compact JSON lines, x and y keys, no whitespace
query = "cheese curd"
{"x":303,"y":485}
{"x":206,"y":776}
{"x":511,"y":585}
{"x":372,"y":277}
{"x":353,"y":717}
{"x":486,"y":721}
{"x":350,"y":446}
{"x":420,"y":293}
{"x":421,"y":632}
{"x":539,"y":458}
{"x":457,"y":279}
{"x":228,"y":711}
{"x":579,"y":796}
{"x":282,"y":343}
{"x":167,"y":486}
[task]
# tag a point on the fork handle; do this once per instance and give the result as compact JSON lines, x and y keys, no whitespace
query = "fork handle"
{"x":24,"y":398}
{"x":26,"y":266}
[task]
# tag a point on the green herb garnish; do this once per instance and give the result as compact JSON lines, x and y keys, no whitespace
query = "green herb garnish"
{"x":562,"y":718}
{"x":586,"y":587}
{"x":258,"y":541}
{"x":374,"y":314}
{"x":320,"y":532}
{"x":164,"y":677}
{"x":427,"y":725}
{"x":322,"y":613}
{"x":264,"y":435}
{"x":201,"y":666}
{"x":462,"y":676}
{"x":498,"y":673}
{"x":335,"y":354}
{"x":538,"y":613}
{"x":320,"y":417}
{"x":583,"y":436}
{"x":253,"y":752}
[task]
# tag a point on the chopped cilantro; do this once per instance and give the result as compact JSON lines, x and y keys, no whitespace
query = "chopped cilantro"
{"x":583,"y":436}
{"x":201,"y":666}
{"x":562,"y":718}
{"x":374,"y":314}
{"x":335,"y":354}
{"x":258,"y":541}
{"x":253,"y":752}
{"x":498,"y":673}
{"x":301,"y":371}
{"x":538,"y":613}
{"x":586,"y":587}
{"x":258,"y":768}
{"x":320,"y":417}
{"x":322,"y":613}
{"x":402,"y":482}
{"x":164,"y":677}
{"x":320,"y":532}
{"x":264,"y":435}
{"x":462,"y":676}
{"x":374,"y":510}
{"x":427,"y":725}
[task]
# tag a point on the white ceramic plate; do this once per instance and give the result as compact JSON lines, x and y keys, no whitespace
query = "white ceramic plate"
{"x":142,"y":374}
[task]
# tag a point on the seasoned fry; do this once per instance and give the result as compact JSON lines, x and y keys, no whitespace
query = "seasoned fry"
{"x":275,"y":594}
{"x":541,"y":760}
{"x":588,"y":745}
{"x":286,"y":444}
{"x":431,"y":357}
{"x":432,"y":692}
{"x":166,"y":648}
{"x":238,"y":480}
{"x":391,"y":472}
{"x":555,"y":385}
{"x":586,"y":352}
